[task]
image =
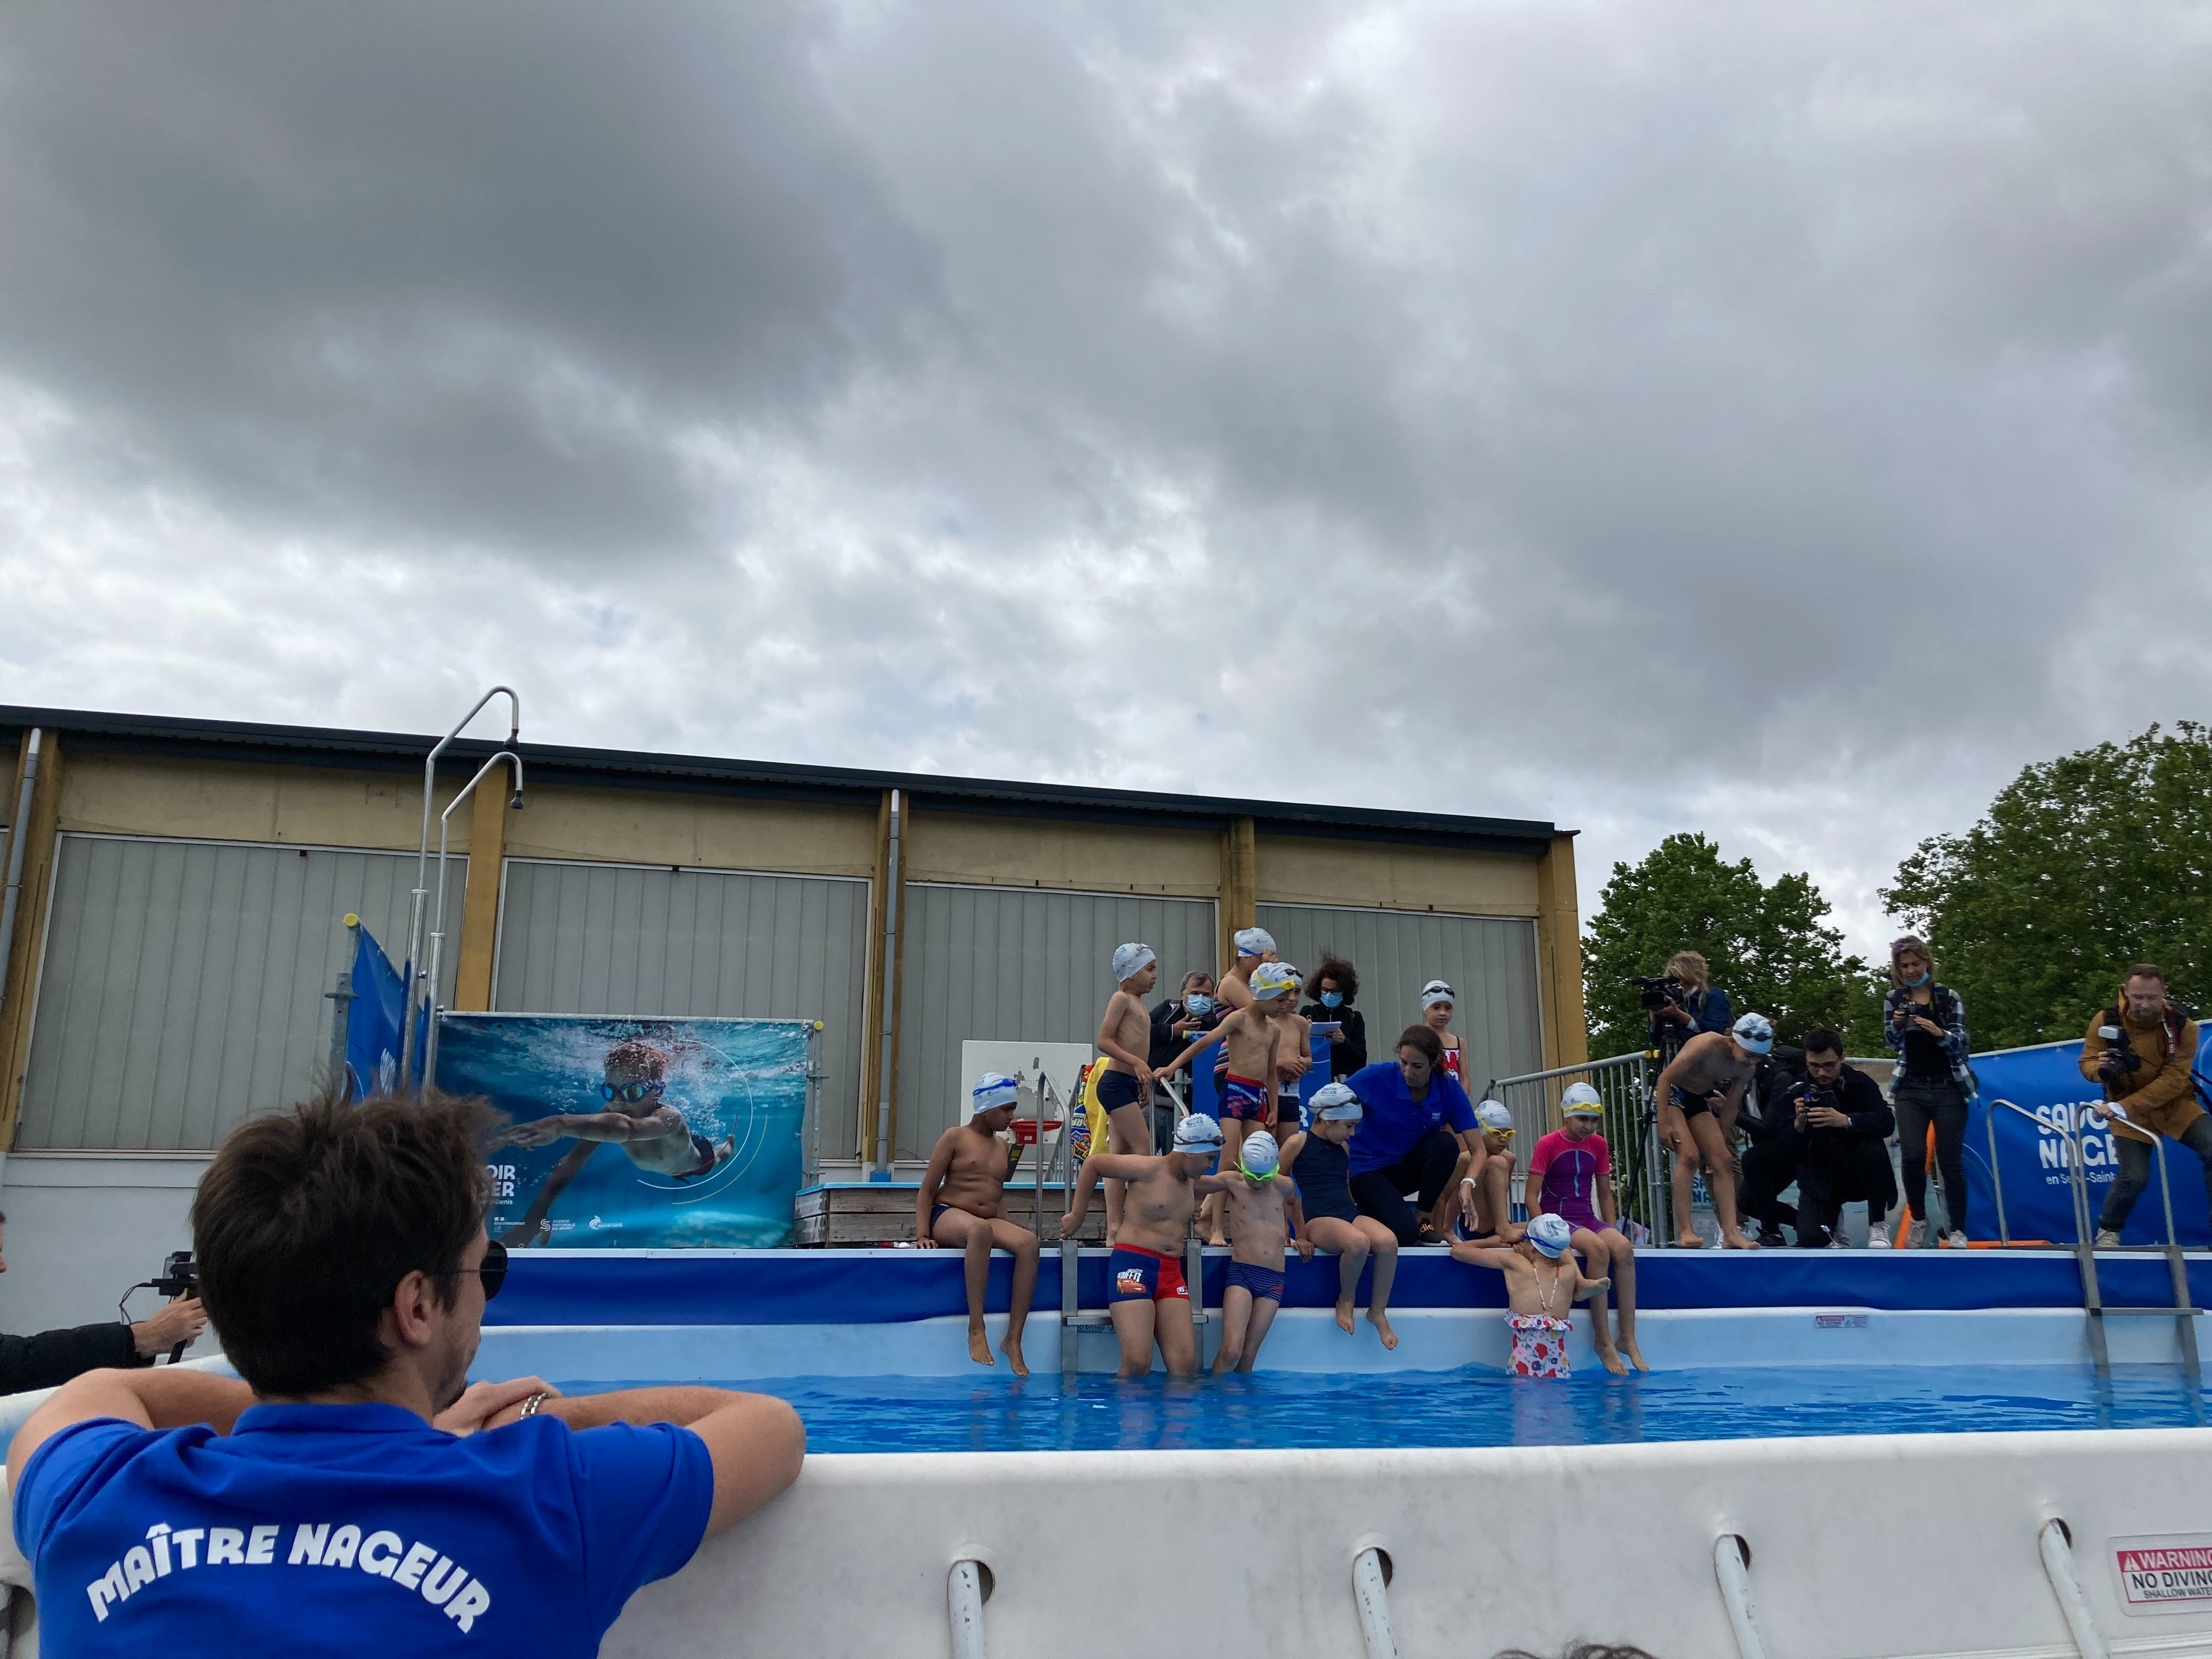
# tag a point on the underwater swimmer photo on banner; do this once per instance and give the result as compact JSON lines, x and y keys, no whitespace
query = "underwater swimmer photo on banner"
{"x":637,"y":1133}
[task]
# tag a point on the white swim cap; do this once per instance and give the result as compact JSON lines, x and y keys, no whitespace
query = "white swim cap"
{"x":1260,"y":1157}
{"x":1337,"y":1103}
{"x":1198,"y":1133}
{"x":1434,"y":991}
{"x":1254,"y":942}
{"x":1551,"y":1235}
{"x":1494,"y":1115}
{"x":1271,"y":979}
{"x":992,"y":1089}
{"x":1130,"y":960}
{"x":1755,"y":1033}
{"x":1582,"y":1101}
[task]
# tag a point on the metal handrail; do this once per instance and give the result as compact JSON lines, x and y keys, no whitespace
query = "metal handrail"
{"x":438,"y":933}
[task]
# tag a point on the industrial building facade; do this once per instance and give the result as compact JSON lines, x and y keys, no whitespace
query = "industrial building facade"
{"x":183,"y":885}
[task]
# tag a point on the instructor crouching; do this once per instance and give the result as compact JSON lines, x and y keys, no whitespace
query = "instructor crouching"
{"x":351,"y":1495}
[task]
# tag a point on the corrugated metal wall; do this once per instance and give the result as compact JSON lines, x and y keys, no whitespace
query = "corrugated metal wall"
{"x":182,"y":986}
{"x":606,"y":938}
{"x":1490,"y":962}
{"x":1017,"y":964}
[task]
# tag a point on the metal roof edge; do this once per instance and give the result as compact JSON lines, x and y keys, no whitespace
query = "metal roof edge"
{"x":182,"y":737}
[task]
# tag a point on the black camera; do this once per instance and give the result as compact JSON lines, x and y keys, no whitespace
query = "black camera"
{"x":180,"y":1276}
{"x":1656,"y":994}
{"x":1811,"y":1096}
{"x":2119,"y":1057}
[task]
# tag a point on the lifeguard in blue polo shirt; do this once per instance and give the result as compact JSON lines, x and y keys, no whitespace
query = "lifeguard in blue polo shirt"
{"x":351,"y":1495}
{"x":1417,"y":1134}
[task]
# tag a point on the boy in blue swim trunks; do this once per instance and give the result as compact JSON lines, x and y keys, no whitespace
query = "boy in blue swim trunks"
{"x":1268,"y":1219}
{"x":1149,"y":1301}
{"x":1255,"y":1035}
{"x":1124,"y":1085}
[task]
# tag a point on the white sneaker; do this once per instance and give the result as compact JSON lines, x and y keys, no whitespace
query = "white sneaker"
{"x":1878,"y":1236}
{"x":2107,"y":1239}
{"x":1916,"y":1236}
{"x":1955,"y":1240}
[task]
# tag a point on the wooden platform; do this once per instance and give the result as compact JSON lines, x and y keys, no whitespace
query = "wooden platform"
{"x":882,"y":1213}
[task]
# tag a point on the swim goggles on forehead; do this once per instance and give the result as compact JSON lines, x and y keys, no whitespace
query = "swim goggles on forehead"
{"x":632,"y":1093}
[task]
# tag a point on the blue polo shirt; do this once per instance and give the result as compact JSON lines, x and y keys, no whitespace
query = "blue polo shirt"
{"x":353,"y":1529}
{"x":1395,"y":1121}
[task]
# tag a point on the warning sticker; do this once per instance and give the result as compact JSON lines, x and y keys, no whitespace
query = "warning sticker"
{"x":2163,"y":1573}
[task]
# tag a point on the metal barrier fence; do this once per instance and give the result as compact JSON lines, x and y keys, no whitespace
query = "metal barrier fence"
{"x":1631,"y":1129}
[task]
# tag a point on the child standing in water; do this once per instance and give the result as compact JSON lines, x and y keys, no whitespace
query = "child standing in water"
{"x":1571,"y":1177}
{"x":962,"y":1203}
{"x":1332,"y":1221}
{"x":1124,"y":1088}
{"x":1542,"y":1284}
{"x":1255,"y":1037}
{"x":1267,"y":1221}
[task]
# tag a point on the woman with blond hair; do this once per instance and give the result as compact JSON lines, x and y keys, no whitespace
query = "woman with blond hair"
{"x":1697,"y":1004}
{"x":1924,"y":1024}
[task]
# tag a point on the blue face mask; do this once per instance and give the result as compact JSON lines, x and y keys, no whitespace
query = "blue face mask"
{"x":1198,"y":1003}
{"x":1332,"y":998}
{"x":1915,"y":984}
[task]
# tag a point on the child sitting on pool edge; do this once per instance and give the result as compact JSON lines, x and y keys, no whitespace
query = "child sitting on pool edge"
{"x":962,"y":1203}
{"x":1267,"y":1219}
{"x":1542,"y":1284}
{"x":1318,"y":1161}
{"x":1570,"y":1175}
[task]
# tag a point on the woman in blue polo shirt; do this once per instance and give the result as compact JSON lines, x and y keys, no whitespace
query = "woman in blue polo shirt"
{"x":1419,"y":1123}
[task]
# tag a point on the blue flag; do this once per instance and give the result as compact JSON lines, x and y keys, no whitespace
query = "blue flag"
{"x":374,"y":1020}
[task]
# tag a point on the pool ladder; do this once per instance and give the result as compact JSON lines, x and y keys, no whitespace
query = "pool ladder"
{"x":2182,"y":1310}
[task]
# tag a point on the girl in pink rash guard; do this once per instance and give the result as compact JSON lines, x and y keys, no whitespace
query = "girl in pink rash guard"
{"x":1570,"y":1175}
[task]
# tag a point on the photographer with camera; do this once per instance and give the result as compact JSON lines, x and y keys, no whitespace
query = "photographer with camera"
{"x":2143,"y":1052}
{"x":1767,"y":1122}
{"x":354,"y":1494}
{"x":1841,"y":1127}
{"x":1924,"y":1024}
{"x":52,"y":1358}
{"x":1681,"y":1004}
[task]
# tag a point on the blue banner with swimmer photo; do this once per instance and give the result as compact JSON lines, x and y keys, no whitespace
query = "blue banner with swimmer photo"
{"x":636,"y":1133}
{"x":2029,"y":1099}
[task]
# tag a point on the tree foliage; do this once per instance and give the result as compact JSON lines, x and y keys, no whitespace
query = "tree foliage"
{"x":2081,"y":866}
{"x":1767,"y":945}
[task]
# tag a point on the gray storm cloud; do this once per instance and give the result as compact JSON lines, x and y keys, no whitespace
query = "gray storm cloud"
{"x":1777,"y":422}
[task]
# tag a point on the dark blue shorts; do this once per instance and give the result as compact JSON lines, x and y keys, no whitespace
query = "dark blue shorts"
{"x":1266,"y":1284}
{"x":1118,"y":1089}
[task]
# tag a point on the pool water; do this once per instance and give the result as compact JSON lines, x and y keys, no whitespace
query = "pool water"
{"x":1467,"y":1407}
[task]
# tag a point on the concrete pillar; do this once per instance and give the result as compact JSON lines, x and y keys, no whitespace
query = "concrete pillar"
{"x":1240,"y":886}
{"x":1560,"y":955}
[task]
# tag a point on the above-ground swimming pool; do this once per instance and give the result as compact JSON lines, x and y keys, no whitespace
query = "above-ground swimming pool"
{"x":1472,"y":1406}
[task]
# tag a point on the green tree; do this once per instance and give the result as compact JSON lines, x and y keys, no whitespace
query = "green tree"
{"x":1767,"y":945}
{"x":2081,"y":866}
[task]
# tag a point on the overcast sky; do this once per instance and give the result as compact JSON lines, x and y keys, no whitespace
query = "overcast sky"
{"x":1782,"y":422}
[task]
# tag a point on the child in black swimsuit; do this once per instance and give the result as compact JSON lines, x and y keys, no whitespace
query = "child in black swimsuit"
{"x":1332,"y":1220}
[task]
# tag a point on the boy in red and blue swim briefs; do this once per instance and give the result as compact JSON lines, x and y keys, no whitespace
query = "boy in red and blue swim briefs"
{"x":1255,"y":1037}
{"x":1149,"y":1301}
{"x":1571,"y":1177}
{"x":1267,"y":1219}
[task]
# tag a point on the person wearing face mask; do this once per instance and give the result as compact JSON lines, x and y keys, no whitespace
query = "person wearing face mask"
{"x":1924,"y":1024}
{"x":1334,"y":984}
{"x":1178,"y":1023}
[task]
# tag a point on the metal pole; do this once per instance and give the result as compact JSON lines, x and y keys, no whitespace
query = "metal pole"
{"x":1036,"y":1173}
{"x":882,"y":1168}
{"x":813,"y":1101}
{"x":438,"y":933}
{"x":18,"y":829}
{"x":422,"y":869}
{"x":1997,"y":1170}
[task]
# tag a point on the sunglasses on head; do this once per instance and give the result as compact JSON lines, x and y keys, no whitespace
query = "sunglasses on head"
{"x":632,"y":1093}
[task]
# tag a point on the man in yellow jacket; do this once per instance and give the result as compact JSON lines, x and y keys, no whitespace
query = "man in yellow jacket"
{"x":2142,"y":1051}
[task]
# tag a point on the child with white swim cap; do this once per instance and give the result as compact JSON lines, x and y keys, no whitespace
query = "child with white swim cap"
{"x":1256,"y":1037}
{"x":1123,"y":1084}
{"x":1570,"y":1175}
{"x":961,"y":1205}
{"x":1323,"y":1169}
{"x":1542,"y":1284}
